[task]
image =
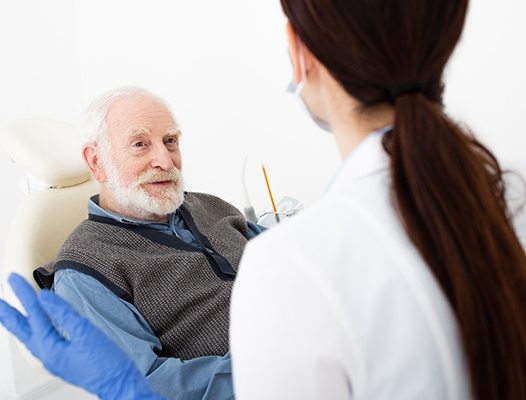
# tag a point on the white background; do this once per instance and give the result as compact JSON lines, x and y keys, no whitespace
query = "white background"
{"x":223,"y":67}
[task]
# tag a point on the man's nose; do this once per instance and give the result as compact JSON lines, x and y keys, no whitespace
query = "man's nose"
{"x":161,"y":158}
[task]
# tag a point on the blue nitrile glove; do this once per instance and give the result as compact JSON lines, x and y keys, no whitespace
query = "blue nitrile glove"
{"x":88,"y":358}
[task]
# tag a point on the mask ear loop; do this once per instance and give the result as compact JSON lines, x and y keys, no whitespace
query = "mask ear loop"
{"x":297,"y":88}
{"x":303,"y":71}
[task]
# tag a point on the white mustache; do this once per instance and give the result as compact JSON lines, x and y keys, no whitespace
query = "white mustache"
{"x":154,"y":175}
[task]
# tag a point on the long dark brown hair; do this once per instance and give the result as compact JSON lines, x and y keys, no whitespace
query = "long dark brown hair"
{"x":447,"y":187}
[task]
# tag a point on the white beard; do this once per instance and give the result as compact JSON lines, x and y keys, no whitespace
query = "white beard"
{"x":137,"y":201}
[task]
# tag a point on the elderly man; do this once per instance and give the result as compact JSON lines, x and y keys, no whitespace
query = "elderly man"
{"x":153,"y":265}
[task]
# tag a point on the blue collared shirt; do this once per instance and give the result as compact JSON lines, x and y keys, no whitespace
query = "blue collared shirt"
{"x":204,"y":378}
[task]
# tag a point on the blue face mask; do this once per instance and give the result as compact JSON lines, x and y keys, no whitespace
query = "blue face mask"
{"x":296,"y":91}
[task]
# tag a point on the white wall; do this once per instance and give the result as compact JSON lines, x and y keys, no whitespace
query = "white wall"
{"x":486,"y":81}
{"x":223,"y":67}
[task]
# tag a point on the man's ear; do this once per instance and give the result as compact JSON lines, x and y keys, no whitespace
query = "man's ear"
{"x":294,"y":50}
{"x":90,"y":153}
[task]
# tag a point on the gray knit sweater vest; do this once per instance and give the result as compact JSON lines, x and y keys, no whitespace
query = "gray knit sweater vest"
{"x":182,"y":291}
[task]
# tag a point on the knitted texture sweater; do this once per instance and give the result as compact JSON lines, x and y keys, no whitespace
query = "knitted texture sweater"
{"x":182,"y":291}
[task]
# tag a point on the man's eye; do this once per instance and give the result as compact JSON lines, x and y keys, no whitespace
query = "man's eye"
{"x":171,"y":141}
{"x":139,"y":144}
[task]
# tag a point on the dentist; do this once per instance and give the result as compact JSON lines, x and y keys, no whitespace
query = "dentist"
{"x":406,"y":280}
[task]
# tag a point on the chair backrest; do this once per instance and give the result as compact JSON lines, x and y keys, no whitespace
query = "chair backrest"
{"x":58,"y":187}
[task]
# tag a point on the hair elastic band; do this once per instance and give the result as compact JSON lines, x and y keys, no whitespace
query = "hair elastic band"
{"x":405,"y":89}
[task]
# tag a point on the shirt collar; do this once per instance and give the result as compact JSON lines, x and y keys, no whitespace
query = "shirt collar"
{"x":367,"y":158}
{"x":95,"y":209}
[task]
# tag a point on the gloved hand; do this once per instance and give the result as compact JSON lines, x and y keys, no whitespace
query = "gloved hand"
{"x":88,"y":358}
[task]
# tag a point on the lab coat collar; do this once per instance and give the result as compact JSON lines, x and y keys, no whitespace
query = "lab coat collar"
{"x":366,"y":159}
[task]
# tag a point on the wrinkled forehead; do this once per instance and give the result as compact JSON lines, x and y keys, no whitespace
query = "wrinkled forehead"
{"x":138,"y":113}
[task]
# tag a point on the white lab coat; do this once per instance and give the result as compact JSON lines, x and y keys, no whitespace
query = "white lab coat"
{"x":337,"y":303}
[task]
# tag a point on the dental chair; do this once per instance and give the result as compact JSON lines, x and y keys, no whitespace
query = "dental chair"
{"x":56,"y":188}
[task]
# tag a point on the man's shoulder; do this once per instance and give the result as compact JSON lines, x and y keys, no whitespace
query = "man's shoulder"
{"x":87,"y":237}
{"x":208,"y":202}
{"x":201,"y":196}
{"x":78,"y":242}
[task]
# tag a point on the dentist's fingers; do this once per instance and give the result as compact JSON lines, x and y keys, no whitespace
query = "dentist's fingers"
{"x":37,"y":317}
{"x":14,"y":322}
{"x":23,"y":291}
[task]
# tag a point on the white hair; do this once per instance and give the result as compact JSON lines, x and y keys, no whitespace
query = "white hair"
{"x":95,"y":127}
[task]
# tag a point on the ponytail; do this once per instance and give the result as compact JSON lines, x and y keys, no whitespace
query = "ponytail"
{"x":450,"y":195}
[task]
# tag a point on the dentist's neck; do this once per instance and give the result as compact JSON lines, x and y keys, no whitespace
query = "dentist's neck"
{"x":349,"y":122}
{"x":351,"y":125}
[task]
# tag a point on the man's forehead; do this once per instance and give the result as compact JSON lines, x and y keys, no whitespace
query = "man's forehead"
{"x":136,"y":112}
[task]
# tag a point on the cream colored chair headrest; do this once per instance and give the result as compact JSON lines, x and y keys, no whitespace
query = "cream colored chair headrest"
{"x":46,"y":149}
